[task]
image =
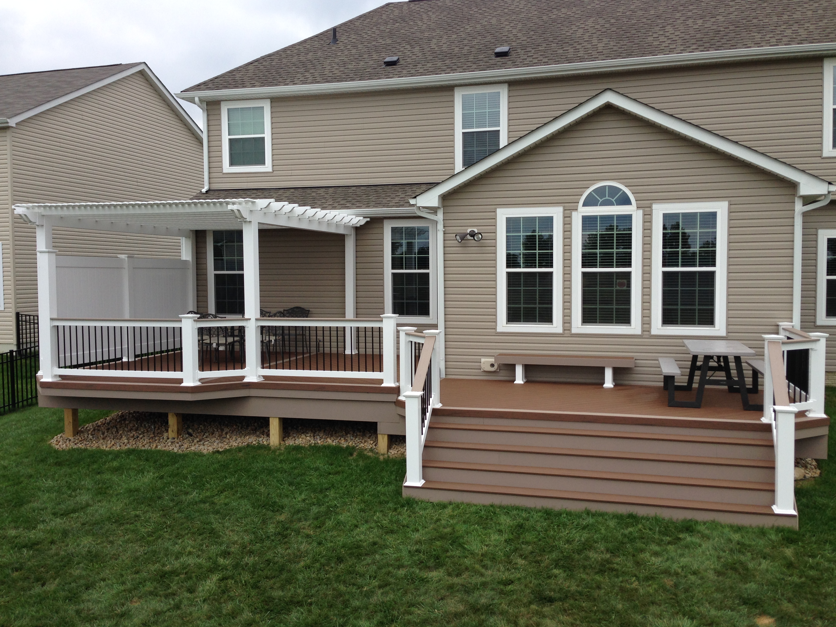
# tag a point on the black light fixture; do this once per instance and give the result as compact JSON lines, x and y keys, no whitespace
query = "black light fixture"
{"x":473,"y":234}
{"x":502,"y":51}
{"x":390,"y":61}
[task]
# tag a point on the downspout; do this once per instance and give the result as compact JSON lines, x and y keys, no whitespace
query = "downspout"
{"x":438,"y":218}
{"x":798,"y":233}
{"x":202,"y":106}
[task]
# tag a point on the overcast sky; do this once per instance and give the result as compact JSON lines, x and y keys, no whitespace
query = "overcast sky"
{"x":183,"y":41}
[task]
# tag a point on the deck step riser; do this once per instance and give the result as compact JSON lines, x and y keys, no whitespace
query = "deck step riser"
{"x":600,"y":486}
{"x":761,"y":434}
{"x":607,"y":464}
{"x":460,"y":496}
{"x":603,"y":443}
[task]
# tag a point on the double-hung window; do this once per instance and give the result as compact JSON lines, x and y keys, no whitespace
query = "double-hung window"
{"x":409,"y":269}
{"x":829,"y":139}
{"x":689,"y":268}
{"x":826,"y":278}
{"x":606,"y":262}
{"x":529,"y":269}
{"x":246,"y":136}
{"x":226,"y":272}
{"x":481,"y":122}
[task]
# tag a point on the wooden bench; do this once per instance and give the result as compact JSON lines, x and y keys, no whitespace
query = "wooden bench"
{"x":581,"y":361}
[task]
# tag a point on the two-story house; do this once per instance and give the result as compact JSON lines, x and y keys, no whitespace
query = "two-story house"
{"x":543,"y":197}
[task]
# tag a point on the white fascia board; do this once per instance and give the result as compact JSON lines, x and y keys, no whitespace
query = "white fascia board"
{"x":525,"y":73}
{"x":140,"y":67}
{"x":807,"y":184}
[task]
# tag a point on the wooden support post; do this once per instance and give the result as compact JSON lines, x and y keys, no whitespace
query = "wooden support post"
{"x":70,"y":423}
{"x":175,"y":426}
{"x":276,"y":431}
{"x":383,"y":443}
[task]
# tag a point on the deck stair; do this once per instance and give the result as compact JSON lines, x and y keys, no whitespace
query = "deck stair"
{"x":720,"y":473}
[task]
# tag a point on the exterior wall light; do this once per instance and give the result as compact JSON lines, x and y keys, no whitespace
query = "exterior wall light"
{"x":475,"y":235}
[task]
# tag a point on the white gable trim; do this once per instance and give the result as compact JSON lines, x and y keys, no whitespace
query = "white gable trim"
{"x":140,"y":67}
{"x":807,"y":184}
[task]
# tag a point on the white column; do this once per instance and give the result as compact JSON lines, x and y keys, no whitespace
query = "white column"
{"x":47,"y":301}
{"x":768,"y":392}
{"x":414,"y":465}
{"x":351,"y":289}
{"x":435,"y":369}
{"x":129,"y":353}
{"x":390,"y":343}
{"x":189,"y":350}
{"x":252,"y":298}
{"x":406,"y":374}
{"x":785,"y":460}
{"x":818,"y":366}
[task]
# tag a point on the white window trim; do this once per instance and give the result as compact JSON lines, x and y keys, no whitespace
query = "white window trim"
{"x":636,"y":293}
{"x":721,"y":269}
{"x":821,"y":279}
{"x":268,"y":142}
{"x":503,"y":115}
{"x":828,"y":150}
{"x":387,"y":270}
{"x":502,"y":325}
{"x":210,"y":276}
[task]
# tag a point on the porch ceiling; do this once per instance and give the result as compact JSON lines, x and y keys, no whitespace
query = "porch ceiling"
{"x":179,"y":218}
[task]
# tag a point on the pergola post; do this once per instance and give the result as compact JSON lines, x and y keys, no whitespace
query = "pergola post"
{"x":350,"y":289}
{"x":47,"y":300}
{"x":252,"y":297}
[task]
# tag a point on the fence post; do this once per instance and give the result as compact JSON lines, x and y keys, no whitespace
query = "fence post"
{"x":818,"y":365}
{"x":390,"y":375}
{"x":768,"y":392}
{"x":12,"y":380}
{"x":406,"y":375}
{"x":188,"y":349}
{"x":784,"y":460}
{"x":435,"y":401}
{"x":414,"y":465}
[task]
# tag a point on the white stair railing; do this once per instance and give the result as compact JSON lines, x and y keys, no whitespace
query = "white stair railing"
{"x":420,"y":399}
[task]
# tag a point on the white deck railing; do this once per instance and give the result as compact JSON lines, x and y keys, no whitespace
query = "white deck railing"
{"x":194,"y":349}
{"x":420,"y":367}
{"x":783,"y":399}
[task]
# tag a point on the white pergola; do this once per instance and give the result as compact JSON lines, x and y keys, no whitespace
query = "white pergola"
{"x":181,"y":219}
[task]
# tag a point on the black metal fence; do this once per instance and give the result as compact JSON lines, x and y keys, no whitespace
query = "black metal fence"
{"x":798,"y":375}
{"x":18,"y":383}
{"x":334,"y":349}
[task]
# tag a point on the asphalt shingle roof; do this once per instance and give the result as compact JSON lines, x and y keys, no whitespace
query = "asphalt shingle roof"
{"x":436,"y":37}
{"x":330,"y":198}
{"x":20,"y":93}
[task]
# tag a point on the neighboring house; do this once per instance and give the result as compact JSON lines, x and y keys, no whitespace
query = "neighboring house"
{"x":92,"y":134}
{"x":528,"y":182}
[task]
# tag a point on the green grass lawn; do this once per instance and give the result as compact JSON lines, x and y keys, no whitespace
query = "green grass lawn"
{"x":321,"y":536}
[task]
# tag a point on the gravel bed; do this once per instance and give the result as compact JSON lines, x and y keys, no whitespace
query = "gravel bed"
{"x":208,"y":434}
{"x":806,"y":469}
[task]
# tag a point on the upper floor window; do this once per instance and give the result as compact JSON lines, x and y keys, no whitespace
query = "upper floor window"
{"x":481,"y":122}
{"x":246,"y":136}
{"x":829,"y":144}
{"x":606,"y":261}
{"x":689,"y":268}
{"x":826,"y":278}
{"x":409,"y":269}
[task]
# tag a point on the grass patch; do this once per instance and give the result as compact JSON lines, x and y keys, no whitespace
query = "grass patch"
{"x":321,"y":536}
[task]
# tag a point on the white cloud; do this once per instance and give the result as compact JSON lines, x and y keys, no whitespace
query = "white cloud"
{"x":184,"y":42}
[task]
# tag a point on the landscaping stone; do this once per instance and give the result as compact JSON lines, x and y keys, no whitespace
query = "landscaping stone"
{"x":208,"y":434}
{"x":806,"y":468}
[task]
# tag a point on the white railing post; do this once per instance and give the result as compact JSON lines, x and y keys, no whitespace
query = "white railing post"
{"x":406,"y":374}
{"x":414,"y":463}
{"x":390,"y":375}
{"x":768,"y":392}
{"x":818,"y":366}
{"x":435,"y":370}
{"x":188,"y":350}
{"x":47,"y":310}
{"x":784,"y":460}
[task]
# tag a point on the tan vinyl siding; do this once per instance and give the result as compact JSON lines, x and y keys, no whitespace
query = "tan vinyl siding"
{"x":200,"y":270}
{"x":7,"y":324}
{"x":656,"y":166}
{"x":358,"y":139}
{"x":370,"y":269}
{"x":407,"y":136}
{"x":118,"y":143}
{"x":824,"y":218}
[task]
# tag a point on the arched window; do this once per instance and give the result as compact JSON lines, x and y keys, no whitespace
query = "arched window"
{"x":606,"y":261}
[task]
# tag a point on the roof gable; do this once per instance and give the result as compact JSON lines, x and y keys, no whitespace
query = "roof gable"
{"x":807,"y":184}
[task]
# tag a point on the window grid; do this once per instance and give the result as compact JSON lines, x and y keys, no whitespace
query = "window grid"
{"x":529,"y":269}
{"x":410,"y":269}
{"x":246,"y":136}
{"x":481,"y":125}
{"x":228,"y":269}
{"x":830,"y":278}
{"x":606,"y":245}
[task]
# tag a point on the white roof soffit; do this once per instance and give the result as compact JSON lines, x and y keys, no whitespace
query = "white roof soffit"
{"x":141,"y":67}
{"x":179,"y":218}
{"x":807,"y":184}
{"x":511,"y":74}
